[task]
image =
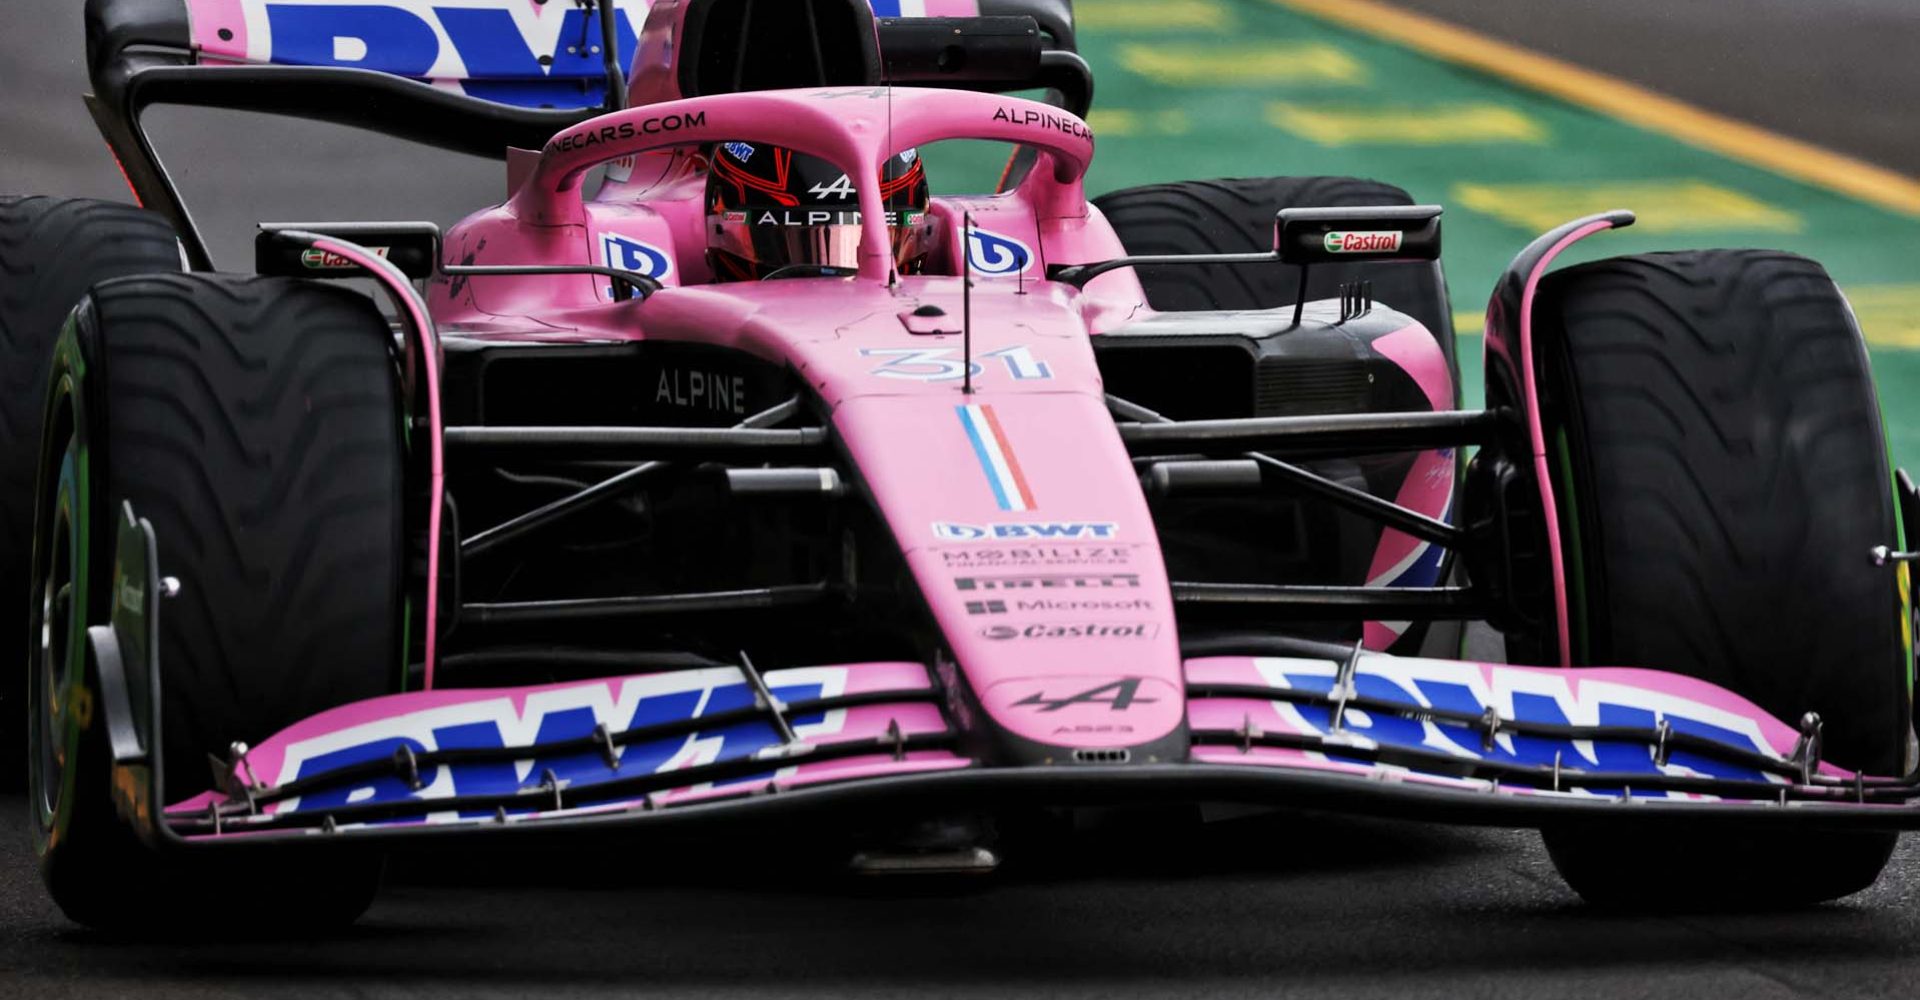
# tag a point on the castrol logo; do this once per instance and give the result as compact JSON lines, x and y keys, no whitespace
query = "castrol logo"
{"x":1388,"y":242}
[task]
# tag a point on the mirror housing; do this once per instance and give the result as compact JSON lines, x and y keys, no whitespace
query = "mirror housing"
{"x":1305,"y":236}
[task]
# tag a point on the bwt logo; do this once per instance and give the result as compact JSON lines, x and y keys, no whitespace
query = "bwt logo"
{"x":555,"y":718}
{"x":632,"y":255}
{"x":1430,"y":685}
{"x":512,"y":52}
{"x":993,"y":255}
{"x":956,"y":532}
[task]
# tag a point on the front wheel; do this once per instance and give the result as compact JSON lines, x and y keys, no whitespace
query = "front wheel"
{"x":51,"y":251}
{"x":1722,"y":476}
{"x":254,"y":422}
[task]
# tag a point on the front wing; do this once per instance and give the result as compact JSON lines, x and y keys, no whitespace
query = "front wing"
{"x":1427,"y":739}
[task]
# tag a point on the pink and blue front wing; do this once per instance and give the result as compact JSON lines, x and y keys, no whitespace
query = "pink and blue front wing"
{"x":847,"y":722}
{"x":643,"y":744}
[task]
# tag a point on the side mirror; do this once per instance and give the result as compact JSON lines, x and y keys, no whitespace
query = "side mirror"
{"x":1306,"y":236}
{"x":413,"y":247}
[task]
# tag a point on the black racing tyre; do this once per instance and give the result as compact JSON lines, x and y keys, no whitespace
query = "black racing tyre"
{"x":51,"y":251}
{"x":1722,"y":475}
{"x":1236,"y":216}
{"x":255,"y":423}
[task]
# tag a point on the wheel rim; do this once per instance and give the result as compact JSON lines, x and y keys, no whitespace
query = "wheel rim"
{"x":56,"y":609}
{"x":62,"y":703}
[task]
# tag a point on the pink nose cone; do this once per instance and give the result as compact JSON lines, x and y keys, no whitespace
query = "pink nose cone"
{"x":1086,"y":710}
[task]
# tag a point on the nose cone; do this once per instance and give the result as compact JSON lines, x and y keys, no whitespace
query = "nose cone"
{"x":1085,"y":710}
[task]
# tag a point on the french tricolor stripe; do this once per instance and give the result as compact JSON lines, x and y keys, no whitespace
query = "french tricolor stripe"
{"x":990,"y":446}
{"x":926,"y":8}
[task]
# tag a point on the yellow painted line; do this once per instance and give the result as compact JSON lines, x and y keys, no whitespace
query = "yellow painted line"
{"x":1663,"y":206}
{"x":1889,"y":314}
{"x":1109,"y":123}
{"x":1241,"y":65}
{"x":1151,"y":15}
{"x":1625,"y":101}
{"x":1469,"y":322}
{"x":1411,"y":126}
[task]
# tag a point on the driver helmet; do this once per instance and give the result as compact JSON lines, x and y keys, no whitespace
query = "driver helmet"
{"x":770,"y":208}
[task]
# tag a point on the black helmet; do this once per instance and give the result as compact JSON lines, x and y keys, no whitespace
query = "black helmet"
{"x":770,"y":208}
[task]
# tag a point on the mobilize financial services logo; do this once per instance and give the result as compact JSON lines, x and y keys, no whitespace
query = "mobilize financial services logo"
{"x":1039,"y":555}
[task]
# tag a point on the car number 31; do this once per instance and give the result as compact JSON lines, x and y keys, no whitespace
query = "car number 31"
{"x":945,"y":364}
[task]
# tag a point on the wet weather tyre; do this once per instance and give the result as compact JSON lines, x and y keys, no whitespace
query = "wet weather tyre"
{"x":254,"y":422}
{"x":51,"y":251}
{"x":1236,"y":216}
{"x":1722,"y":473}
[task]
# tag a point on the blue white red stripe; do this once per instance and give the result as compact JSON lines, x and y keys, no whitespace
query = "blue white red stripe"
{"x":926,"y":8}
{"x":996,"y":457}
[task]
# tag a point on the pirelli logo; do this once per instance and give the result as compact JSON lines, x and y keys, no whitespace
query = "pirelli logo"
{"x":1050,"y":581}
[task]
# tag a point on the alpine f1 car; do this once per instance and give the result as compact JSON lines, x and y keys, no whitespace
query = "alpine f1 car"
{"x":723,"y":474}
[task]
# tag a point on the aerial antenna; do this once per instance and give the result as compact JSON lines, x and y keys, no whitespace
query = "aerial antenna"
{"x":893,"y":259}
{"x":966,"y":303}
{"x":609,"y":11}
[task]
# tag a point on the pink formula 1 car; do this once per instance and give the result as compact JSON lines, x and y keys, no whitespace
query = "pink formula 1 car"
{"x":726,"y":474}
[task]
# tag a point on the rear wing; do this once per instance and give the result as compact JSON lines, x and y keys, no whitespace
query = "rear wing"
{"x":481,"y":76}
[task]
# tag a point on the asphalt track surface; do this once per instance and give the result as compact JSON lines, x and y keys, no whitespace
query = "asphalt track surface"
{"x":1272,"y":906}
{"x":1838,"y":73}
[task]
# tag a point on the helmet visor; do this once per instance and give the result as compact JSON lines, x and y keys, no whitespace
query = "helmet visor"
{"x":770,"y":240}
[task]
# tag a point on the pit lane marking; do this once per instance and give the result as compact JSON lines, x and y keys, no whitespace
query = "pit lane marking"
{"x":1448,"y":124}
{"x":1243,"y":65}
{"x":1663,"y":206}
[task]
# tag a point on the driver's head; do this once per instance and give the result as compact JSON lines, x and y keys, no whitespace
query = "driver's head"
{"x":770,"y":208}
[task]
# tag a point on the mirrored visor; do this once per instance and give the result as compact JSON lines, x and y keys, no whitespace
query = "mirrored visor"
{"x":775,"y":238}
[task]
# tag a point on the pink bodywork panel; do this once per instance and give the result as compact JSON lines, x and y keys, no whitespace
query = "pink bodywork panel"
{"x":1428,"y":487}
{"x":220,"y":28}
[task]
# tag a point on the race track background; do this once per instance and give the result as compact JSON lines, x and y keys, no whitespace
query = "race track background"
{"x":1236,"y":88}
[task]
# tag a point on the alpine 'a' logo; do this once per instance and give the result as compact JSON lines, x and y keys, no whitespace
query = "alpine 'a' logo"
{"x":841,"y":189}
{"x":1118,"y":696}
